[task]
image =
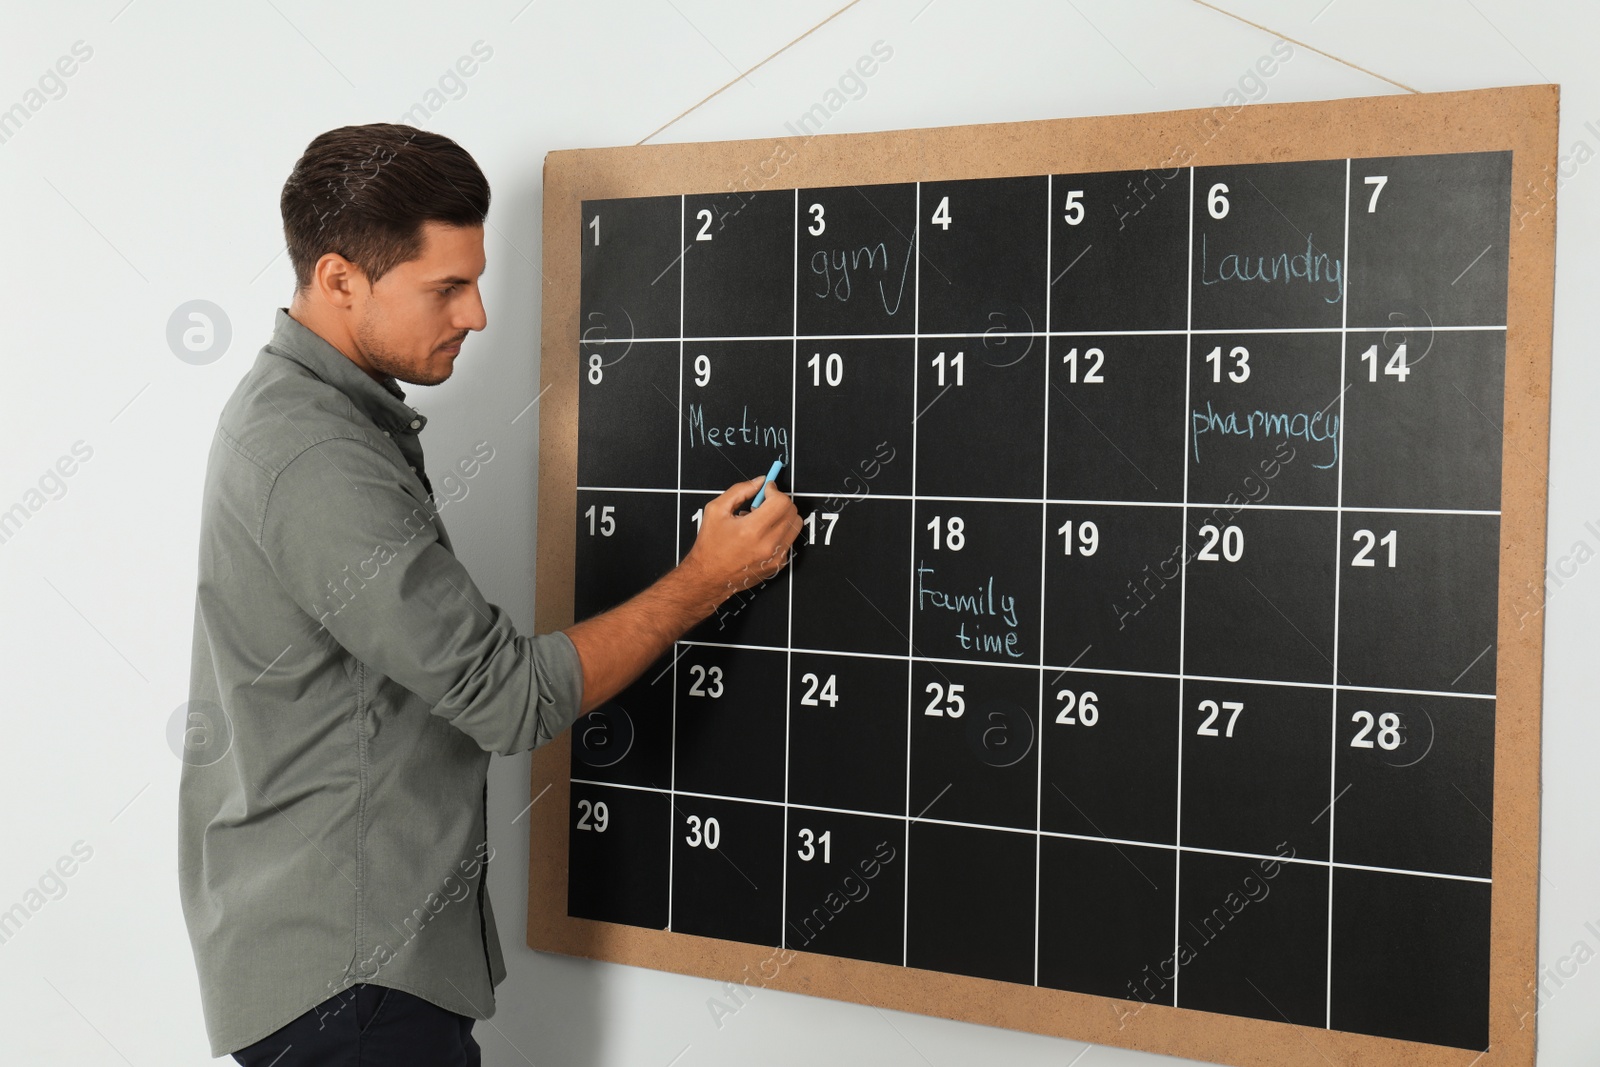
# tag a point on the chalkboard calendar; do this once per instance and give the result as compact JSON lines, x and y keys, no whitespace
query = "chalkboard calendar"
{"x":1142,"y":638}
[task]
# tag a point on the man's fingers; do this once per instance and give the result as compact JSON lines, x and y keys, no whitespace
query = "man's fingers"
{"x":782,"y":508}
{"x":737,"y":495}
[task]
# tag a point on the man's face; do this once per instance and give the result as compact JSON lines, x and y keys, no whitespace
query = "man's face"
{"x":410,"y":325}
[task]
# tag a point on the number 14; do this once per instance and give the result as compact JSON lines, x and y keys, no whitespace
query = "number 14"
{"x":1396,"y":366}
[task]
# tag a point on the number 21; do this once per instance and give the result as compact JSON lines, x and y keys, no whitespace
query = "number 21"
{"x":1363,"y":558}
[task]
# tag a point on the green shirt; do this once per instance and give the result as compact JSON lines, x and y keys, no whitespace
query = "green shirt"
{"x":348,"y":683}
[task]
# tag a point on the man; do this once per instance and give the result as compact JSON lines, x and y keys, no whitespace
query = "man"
{"x":354,"y":679}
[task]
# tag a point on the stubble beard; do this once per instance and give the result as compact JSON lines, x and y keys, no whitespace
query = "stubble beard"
{"x":384,"y":360}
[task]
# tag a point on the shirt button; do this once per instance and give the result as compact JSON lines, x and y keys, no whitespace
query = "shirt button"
{"x":413,"y":470}
{"x":386,"y":433}
{"x":416,"y":424}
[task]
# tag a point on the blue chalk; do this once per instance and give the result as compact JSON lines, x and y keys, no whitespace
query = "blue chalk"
{"x":772,"y":476}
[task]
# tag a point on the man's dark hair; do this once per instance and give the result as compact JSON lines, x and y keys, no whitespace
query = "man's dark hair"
{"x":365,"y":191}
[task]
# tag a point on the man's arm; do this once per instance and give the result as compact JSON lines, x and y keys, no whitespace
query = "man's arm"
{"x":731,"y":553}
{"x":361,"y":557}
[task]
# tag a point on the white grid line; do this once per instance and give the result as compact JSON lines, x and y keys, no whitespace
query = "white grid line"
{"x":1032,"y":333}
{"x":1338,"y":573}
{"x":1100,"y":670}
{"x":677,"y":548}
{"x":1062,"y":834}
{"x":1044,"y":547}
{"x":911,"y":590}
{"x":788,"y":656}
{"x":1193,"y":504}
{"x":1183,"y":590}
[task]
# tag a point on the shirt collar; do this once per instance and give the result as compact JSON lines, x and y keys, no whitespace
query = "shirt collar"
{"x":380,"y":399}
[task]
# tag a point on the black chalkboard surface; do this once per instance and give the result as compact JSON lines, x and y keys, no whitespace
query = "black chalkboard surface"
{"x":1142,"y":639}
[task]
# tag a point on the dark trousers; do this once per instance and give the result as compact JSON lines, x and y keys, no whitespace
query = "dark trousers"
{"x":368,"y":1026}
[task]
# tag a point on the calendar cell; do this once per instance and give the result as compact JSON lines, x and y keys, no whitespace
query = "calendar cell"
{"x":983,"y":257}
{"x":628,"y":739}
{"x":1105,"y":918}
{"x":846,"y":876}
{"x":1110,"y":750}
{"x":736,"y":411}
{"x":1423,"y":419}
{"x":970,"y":906}
{"x":1255,"y":768}
{"x":975,"y":591}
{"x":1264,"y":419}
{"x":1113,"y":587}
{"x":1429,"y":233}
{"x":627,"y":414}
{"x":847,"y":732}
{"x":853,"y":415}
{"x":728,"y":247}
{"x":1114,"y":234}
{"x":1268,"y":246}
{"x":729,"y":736}
{"x":630,"y":252}
{"x":617,"y":871}
{"x":974,"y":744}
{"x":968,"y":390}
{"x":1418,"y":601}
{"x":1117,"y":418}
{"x":755,"y":615}
{"x":1260,"y":594}
{"x":857,"y":260}
{"x":620,"y":549}
{"x":1411,"y":958}
{"x":1253,"y":937}
{"x":851,"y":575}
{"x":1415,"y":781}
{"x":727,"y":870}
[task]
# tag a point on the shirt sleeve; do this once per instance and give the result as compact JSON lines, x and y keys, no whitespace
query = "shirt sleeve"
{"x":355,"y":550}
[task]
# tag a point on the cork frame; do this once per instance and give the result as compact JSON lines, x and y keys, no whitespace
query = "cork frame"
{"x":1521,"y":119}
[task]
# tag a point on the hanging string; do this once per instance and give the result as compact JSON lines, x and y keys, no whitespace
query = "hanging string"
{"x":1221,"y":11}
{"x":1313,"y":48}
{"x":758,"y":66}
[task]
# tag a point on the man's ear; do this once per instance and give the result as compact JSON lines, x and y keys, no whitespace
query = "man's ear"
{"x":337,"y":280}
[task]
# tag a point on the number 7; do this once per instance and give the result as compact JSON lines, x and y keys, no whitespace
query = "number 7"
{"x":1236,"y":707}
{"x":1377,"y":181}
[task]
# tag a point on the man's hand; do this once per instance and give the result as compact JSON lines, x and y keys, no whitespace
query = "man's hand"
{"x":732,"y":552}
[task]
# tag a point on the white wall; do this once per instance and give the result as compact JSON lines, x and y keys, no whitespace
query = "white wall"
{"x":153,"y":180}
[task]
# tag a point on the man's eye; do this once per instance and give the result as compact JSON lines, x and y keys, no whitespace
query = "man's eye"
{"x":447,"y":290}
